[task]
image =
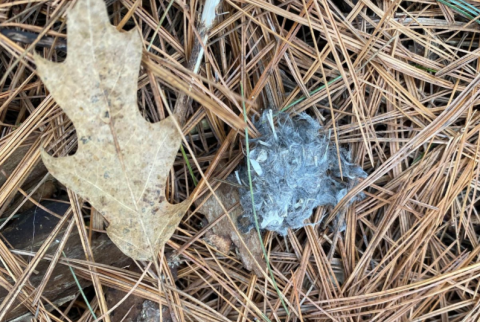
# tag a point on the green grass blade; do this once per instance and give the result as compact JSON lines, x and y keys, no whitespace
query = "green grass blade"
{"x":79,"y":286}
{"x":257,"y":227}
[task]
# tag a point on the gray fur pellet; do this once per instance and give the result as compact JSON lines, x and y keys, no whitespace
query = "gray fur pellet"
{"x":294,"y":169}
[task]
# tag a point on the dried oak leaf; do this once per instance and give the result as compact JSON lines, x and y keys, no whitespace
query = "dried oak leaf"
{"x":122,"y":162}
{"x":223,"y":231}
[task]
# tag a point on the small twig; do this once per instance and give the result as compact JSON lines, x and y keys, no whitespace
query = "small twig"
{"x":196,"y":56}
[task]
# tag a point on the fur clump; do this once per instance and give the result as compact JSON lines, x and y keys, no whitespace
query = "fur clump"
{"x":294,"y":169}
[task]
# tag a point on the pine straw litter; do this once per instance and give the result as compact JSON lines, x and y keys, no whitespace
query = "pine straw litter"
{"x":395,"y":83}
